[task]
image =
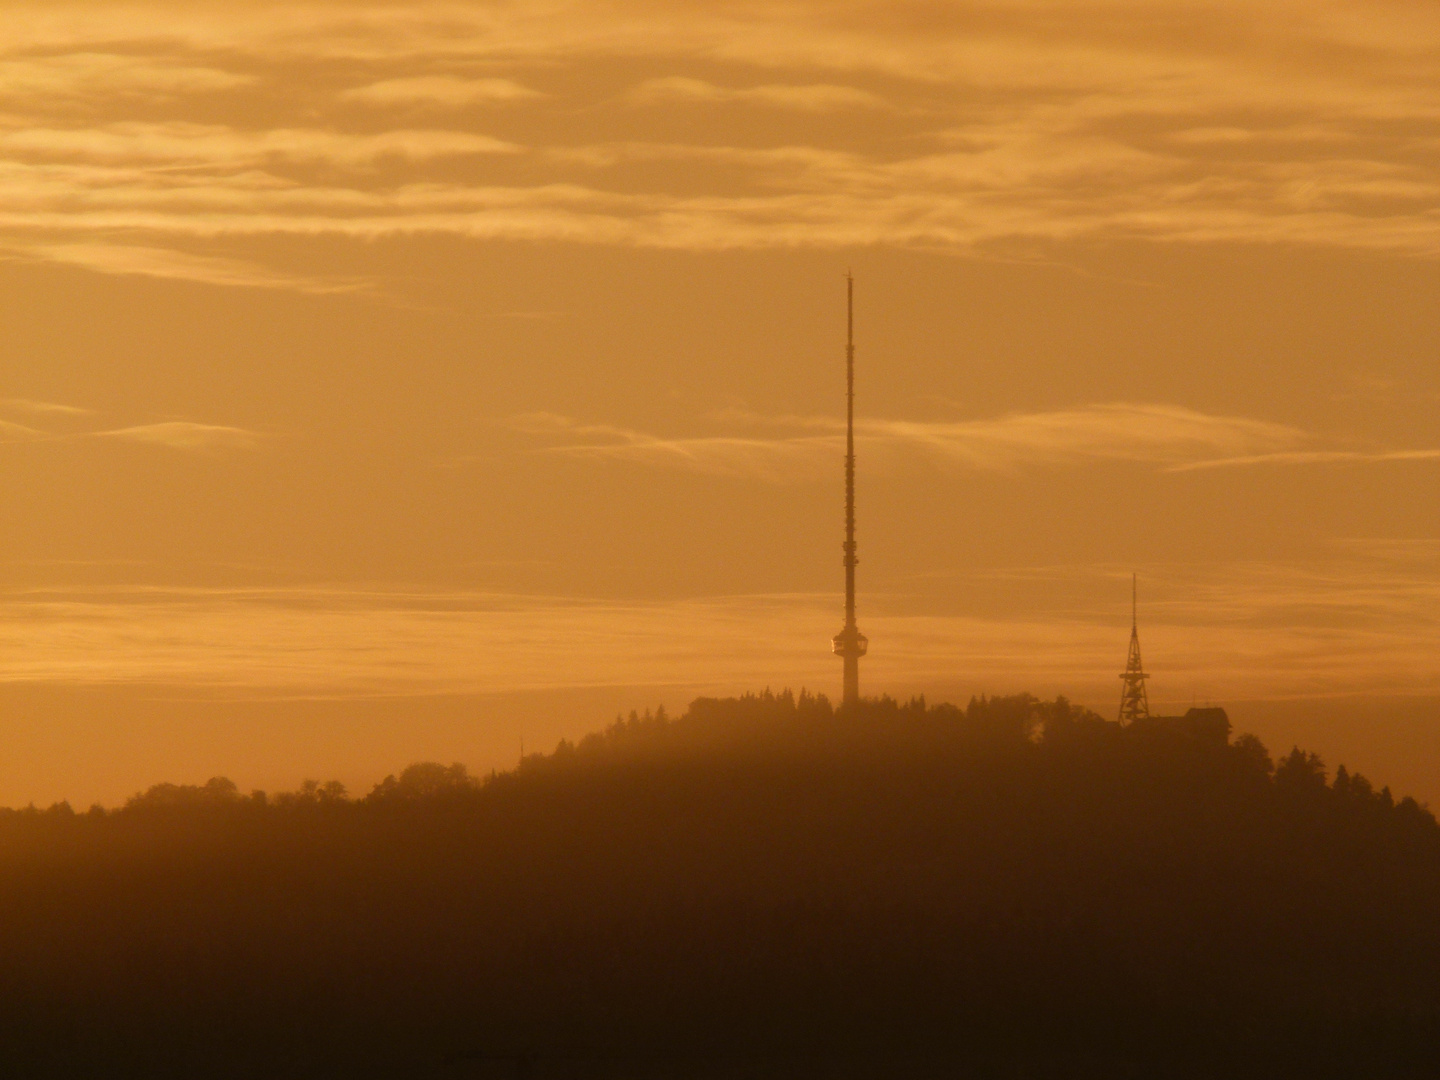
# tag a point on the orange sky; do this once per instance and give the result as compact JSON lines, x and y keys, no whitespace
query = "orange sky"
{"x":385,"y":381}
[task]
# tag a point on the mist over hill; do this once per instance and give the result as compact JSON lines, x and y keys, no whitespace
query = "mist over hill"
{"x":762,"y":886}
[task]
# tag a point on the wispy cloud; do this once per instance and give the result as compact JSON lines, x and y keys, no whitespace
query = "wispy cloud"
{"x":175,"y":434}
{"x":807,"y":97}
{"x":42,"y":408}
{"x":185,"y":435}
{"x":770,"y":459}
{"x":1146,"y":433}
{"x":1310,"y":457}
{"x":1230,"y":630}
{"x":85,"y":74}
{"x":166,"y":263}
{"x":447,"y":91}
{"x":13,"y":432}
{"x":1115,"y":432}
{"x":39,"y":411}
{"x":1006,"y":123}
{"x":196,"y":185}
{"x":180,"y":142}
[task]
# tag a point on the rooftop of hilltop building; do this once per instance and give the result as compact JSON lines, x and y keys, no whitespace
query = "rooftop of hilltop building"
{"x":1209,"y":724}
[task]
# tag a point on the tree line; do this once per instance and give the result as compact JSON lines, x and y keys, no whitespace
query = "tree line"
{"x":1011,"y":887}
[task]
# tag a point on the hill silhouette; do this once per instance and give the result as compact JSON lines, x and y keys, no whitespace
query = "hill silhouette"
{"x":762,"y":886}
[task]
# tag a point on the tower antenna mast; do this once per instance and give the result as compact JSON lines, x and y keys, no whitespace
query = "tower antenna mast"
{"x":850,"y":644}
{"x":1134,"y":701}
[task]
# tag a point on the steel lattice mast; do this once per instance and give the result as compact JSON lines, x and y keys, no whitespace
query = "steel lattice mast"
{"x":1134,"y":702}
{"x":850,"y":644}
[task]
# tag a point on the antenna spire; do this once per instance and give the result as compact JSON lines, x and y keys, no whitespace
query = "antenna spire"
{"x":1134,"y":701}
{"x":850,"y":644}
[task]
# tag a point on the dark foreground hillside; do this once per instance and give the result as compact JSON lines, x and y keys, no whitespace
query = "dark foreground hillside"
{"x":762,"y":887}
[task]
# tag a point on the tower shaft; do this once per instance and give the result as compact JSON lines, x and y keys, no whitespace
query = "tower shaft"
{"x":1134,"y":701}
{"x":850,"y":644}
{"x":850,"y":558}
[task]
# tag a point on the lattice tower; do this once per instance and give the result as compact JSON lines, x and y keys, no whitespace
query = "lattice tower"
{"x":1134,"y":702}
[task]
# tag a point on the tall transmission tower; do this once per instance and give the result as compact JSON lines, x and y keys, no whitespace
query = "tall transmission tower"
{"x":1134,"y":702}
{"x":850,"y":644}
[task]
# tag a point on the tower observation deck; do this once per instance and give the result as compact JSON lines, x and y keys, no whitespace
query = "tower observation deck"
{"x":850,"y":645}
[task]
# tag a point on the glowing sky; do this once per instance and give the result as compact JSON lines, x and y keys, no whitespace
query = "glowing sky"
{"x":372,"y":353}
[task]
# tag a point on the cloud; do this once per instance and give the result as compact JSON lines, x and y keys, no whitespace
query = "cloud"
{"x":809,"y":97}
{"x":1233,"y":630}
{"x":1144,"y":433}
{"x":1310,"y":457}
{"x":182,"y":142}
{"x":1172,"y":437}
{"x":184,"y":182}
{"x":174,"y":265}
{"x":1008,"y":123}
{"x":1116,"y":432}
{"x":13,"y":432}
{"x":42,"y":408}
{"x":91,"y":74}
{"x":176,"y":434}
{"x":448,"y":91}
{"x":773,"y":460}
{"x":184,"y":435}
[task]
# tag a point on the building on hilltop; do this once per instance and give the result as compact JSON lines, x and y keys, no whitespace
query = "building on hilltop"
{"x":1208,"y":725}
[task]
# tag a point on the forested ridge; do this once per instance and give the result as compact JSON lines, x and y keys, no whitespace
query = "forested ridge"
{"x":1014,"y":888}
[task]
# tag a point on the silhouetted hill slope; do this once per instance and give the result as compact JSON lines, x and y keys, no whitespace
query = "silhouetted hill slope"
{"x":1015,"y":885}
